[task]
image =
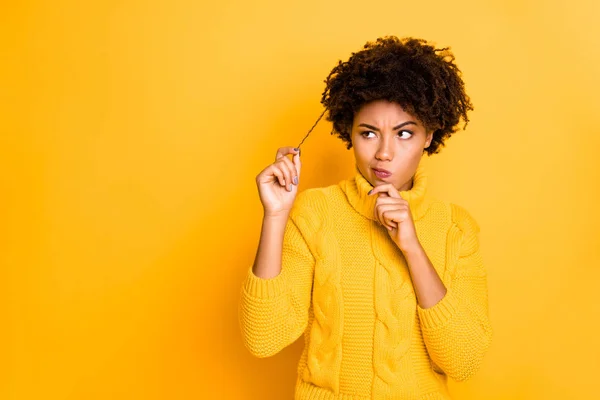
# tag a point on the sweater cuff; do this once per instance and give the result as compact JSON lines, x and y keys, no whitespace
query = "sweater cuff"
{"x":440,"y":313}
{"x":264,"y":288}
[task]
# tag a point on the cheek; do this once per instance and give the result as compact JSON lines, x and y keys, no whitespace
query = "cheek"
{"x":361,"y":153}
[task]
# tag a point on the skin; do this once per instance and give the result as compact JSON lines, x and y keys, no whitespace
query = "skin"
{"x":385,"y":136}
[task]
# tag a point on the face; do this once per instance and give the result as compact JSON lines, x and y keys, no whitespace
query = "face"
{"x":386,"y":137}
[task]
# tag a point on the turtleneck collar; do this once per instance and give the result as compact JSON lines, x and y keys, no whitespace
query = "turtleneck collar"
{"x":356,"y":190}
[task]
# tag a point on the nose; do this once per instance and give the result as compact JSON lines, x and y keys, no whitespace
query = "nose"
{"x":384,"y":151}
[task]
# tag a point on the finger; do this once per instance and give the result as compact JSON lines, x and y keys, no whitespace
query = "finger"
{"x":385,"y":199}
{"x":386,"y":203}
{"x":276,"y":171}
{"x":287,"y":173}
{"x":284,"y":151}
{"x":398,"y":215}
{"x":380,"y":211}
{"x":389,"y":219}
{"x":297,"y":164}
{"x":387,"y":188}
{"x":291,"y":168}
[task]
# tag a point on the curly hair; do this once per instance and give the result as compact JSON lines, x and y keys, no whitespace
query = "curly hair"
{"x":422,"y":79}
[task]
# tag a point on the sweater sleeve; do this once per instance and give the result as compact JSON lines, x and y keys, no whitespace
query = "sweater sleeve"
{"x":273,"y":312}
{"x":457,"y":330}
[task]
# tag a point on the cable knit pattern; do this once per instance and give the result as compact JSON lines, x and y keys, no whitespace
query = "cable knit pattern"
{"x":324,"y":349}
{"x":347,"y":287}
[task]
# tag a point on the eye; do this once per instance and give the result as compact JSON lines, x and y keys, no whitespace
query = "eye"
{"x":405,"y":131}
{"x":363,"y":133}
{"x":407,"y":134}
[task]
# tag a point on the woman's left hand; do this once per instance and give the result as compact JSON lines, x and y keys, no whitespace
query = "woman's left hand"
{"x":393,"y":212}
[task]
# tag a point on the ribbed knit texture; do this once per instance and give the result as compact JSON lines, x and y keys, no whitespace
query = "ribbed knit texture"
{"x":345,"y":284}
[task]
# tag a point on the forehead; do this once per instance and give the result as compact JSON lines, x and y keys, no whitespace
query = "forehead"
{"x":383,"y":111}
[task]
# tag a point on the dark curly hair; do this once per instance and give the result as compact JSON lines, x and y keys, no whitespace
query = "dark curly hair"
{"x":422,"y":79}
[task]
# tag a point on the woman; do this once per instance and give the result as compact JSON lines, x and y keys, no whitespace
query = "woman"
{"x":386,"y":283}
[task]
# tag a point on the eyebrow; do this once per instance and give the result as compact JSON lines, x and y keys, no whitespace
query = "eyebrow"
{"x":396,"y":127}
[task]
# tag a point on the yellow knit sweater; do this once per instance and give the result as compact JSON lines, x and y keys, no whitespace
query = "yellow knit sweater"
{"x":345,"y":284}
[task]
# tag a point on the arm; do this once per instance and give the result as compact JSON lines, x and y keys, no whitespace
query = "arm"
{"x":276,"y":294}
{"x":428,"y":286}
{"x":267,"y":263}
{"x":457,"y":330}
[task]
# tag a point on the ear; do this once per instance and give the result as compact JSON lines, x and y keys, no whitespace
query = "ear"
{"x":428,"y":139}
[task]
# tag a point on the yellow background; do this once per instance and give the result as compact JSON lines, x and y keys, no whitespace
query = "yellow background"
{"x":131,"y":135}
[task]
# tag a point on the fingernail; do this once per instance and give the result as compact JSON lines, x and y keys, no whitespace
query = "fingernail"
{"x":295,"y":180}
{"x":370,"y":191}
{"x":295,"y":148}
{"x":290,"y":187}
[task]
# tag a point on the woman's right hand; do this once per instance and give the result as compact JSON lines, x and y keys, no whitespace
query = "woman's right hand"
{"x":278,"y":183}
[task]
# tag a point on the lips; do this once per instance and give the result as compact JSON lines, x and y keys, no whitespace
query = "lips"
{"x":382,"y":170}
{"x":382,"y":173}
{"x":385,"y":171}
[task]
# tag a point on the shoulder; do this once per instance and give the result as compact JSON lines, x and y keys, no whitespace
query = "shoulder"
{"x":310,"y":206}
{"x":317,"y":203}
{"x":317,"y":199}
{"x":310,"y":199}
{"x":466,"y":244}
{"x":463,"y":219}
